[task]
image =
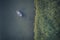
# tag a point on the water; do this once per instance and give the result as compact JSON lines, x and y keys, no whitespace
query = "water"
{"x":13,"y":26}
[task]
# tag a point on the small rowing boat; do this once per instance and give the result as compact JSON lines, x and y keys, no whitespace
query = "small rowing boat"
{"x":19,"y":13}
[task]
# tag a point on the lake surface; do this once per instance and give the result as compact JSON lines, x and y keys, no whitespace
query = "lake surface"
{"x":14,"y":27}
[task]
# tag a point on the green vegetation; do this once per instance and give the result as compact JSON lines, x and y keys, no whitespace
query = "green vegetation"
{"x":47,"y":20}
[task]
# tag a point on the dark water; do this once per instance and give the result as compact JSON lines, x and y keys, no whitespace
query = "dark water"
{"x":12,"y":26}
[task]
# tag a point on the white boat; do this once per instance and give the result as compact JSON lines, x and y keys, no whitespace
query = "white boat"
{"x":19,"y":13}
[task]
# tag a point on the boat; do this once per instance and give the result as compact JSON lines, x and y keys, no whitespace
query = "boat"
{"x":19,"y":13}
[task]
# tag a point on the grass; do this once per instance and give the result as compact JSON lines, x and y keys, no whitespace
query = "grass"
{"x":46,"y":26}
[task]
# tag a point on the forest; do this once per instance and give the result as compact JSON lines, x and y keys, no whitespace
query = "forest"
{"x":47,"y":20}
